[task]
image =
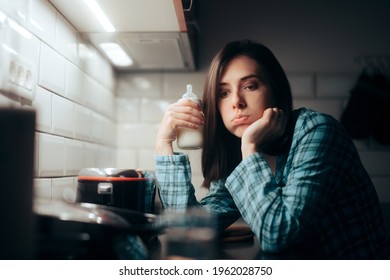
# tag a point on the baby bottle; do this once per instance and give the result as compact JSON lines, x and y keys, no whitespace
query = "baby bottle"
{"x":190,"y":138}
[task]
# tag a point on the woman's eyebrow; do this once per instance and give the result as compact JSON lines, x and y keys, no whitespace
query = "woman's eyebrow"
{"x":249,"y":77}
{"x":243,"y":79}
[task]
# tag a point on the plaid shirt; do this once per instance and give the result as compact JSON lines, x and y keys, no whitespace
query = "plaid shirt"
{"x":320,"y":199}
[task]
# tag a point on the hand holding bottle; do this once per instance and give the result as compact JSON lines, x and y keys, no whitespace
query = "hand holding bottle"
{"x":183,"y":119}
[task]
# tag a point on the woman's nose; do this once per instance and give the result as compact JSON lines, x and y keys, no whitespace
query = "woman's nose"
{"x":237,"y":101}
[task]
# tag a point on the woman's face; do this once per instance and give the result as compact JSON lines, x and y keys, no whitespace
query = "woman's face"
{"x":242,"y":96}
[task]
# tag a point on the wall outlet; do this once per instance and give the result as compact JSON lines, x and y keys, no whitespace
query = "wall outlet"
{"x":18,"y":73}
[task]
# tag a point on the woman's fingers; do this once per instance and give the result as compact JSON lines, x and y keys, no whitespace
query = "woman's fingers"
{"x":185,"y":115}
{"x":271,"y":126}
{"x":178,"y":115}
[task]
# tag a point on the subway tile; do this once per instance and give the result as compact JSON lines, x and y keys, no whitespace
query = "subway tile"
{"x":109,"y":132}
{"x":82,"y":122}
{"x":136,"y":135}
{"x":146,"y":159}
{"x":376,"y":162}
{"x":42,"y":21}
{"x":90,"y":155}
{"x":24,"y":44}
{"x":106,"y":103}
{"x":36,"y":155}
{"x":127,"y":159}
{"x":52,"y":70}
{"x":51,"y":155}
{"x":43,"y":104}
{"x":66,"y":39}
{"x":63,"y":189}
{"x":103,"y":130}
{"x":147,"y":85}
{"x":195,"y":157}
{"x":86,"y":54}
{"x":200,"y":191}
{"x":302,"y":85}
{"x":152,"y":110}
{"x":62,"y":116}
{"x":106,"y":157}
{"x":97,"y":134}
{"x":127,"y":109}
{"x":332,"y":107}
{"x":75,"y":183}
{"x":17,"y":9}
{"x":175,"y":84}
{"x":73,"y":157}
{"x":102,"y":72}
{"x":42,"y":188}
{"x":92,"y":63}
{"x":92,"y":93}
{"x":335,"y":85}
{"x":124,"y":136}
{"x":76,"y":83}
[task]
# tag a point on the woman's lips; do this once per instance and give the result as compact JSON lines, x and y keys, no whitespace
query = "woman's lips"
{"x":240,"y":120}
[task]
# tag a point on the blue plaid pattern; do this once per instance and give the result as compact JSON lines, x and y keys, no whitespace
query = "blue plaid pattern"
{"x":320,"y":200}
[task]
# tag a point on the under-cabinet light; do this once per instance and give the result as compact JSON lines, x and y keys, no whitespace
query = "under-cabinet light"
{"x":100,"y":15}
{"x":116,"y":54}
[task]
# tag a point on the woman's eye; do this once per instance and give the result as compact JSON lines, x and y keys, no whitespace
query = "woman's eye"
{"x":251,"y":87}
{"x":223,"y":93}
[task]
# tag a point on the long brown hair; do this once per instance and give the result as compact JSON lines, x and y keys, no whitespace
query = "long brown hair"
{"x":221,"y":149}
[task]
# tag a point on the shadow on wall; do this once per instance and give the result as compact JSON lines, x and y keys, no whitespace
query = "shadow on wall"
{"x":371,"y":95}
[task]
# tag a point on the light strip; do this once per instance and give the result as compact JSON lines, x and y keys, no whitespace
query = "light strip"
{"x":116,"y":54}
{"x":98,"y":12}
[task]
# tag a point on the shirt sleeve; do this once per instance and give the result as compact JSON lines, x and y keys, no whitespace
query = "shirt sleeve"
{"x":173,"y":174}
{"x":281,"y":212}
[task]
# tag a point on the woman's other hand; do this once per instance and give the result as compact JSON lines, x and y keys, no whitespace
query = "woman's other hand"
{"x":268,"y":128}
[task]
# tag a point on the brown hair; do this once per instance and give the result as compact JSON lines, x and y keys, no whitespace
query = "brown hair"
{"x":221,"y":149}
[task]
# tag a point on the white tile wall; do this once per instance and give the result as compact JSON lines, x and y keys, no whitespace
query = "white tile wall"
{"x":52,"y":70}
{"x":76,"y":81}
{"x":302,"y":85}
{"x":50,"y":155}
{"x":42,"y":188}
{"x":174,"y":86}
{"x":73,"y":96}
{"x":66,"y":39}
{"x":42,"y":20}
{"x":63,"y":189}
{"x":146,"y":85}
{"x":73,"y":156}
{"x":335,"y":85}
{"x":43,"y":106}
{"x":81,"y":123}
{"x":62,"y":116}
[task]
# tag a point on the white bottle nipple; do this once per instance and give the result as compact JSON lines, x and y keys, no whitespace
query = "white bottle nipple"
{"x":189,"y":94}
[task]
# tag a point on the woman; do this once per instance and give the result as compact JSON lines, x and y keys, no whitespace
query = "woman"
{"x":294,"y":176}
